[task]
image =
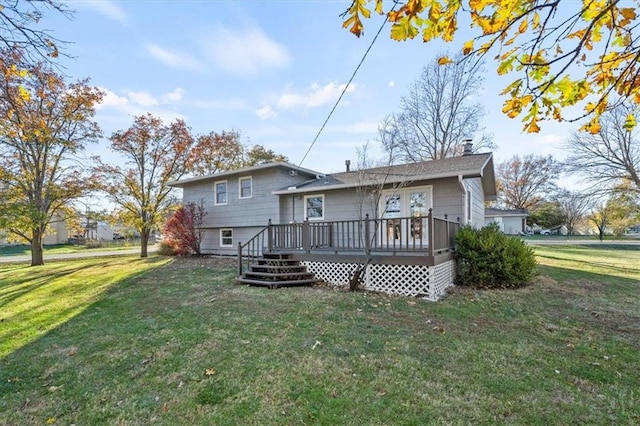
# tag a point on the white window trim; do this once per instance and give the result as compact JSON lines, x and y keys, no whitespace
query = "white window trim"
{"x":402,"y":192}
{"x":305,"y":206}
{"x":215,"y":192}
{"x":240,"y":187}
{"x":222,"y":239}
{"x":468,"y":204}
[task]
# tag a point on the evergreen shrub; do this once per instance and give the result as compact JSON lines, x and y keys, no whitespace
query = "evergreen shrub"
{"x":488,"y":258}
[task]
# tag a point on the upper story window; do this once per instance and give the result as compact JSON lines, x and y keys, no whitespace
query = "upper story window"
{"x":220,"y":189}
{"x":314,"y":207}
{"x":246,"y":187}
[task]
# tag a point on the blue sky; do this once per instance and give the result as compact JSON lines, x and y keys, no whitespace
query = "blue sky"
{"x":269,"y":69}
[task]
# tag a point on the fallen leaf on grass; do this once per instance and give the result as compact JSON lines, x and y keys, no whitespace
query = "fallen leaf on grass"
{"x":73,"y":351}
{"x":209,"y":372}
{"x":316,"y":344}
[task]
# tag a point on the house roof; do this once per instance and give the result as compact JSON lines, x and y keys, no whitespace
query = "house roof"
{"x":466,"y":166}
{"x":243,"y":171}
{"x":489,"y":212}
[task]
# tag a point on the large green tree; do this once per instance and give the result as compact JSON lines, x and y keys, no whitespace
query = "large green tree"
{"x":560,"y":53}
{"x":45,"y":125}
{"x":154,"y":154}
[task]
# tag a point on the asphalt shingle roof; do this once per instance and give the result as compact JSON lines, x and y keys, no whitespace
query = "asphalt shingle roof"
{"x":467,"y":166}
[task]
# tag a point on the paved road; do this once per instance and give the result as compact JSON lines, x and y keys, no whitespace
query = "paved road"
{"x":79,"y":255}
{"x":583,"y":242}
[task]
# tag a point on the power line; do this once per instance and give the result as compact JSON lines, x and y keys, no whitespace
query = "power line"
{"x":386,"y":19}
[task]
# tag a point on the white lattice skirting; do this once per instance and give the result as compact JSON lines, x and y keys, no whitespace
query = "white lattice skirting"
{"x":429,"y":282}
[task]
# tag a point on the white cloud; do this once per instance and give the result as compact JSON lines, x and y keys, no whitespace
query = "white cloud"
{"x":313,"y":96}
{"x":111,"y":99}
{"x":108,"y":8}
{"x":142,"y":98}
{"x":266,"y":112}
{"x":175,"y":95}
{"x":173,"y":59}
{"x":391,"y":83}
{"x":244,"y":51}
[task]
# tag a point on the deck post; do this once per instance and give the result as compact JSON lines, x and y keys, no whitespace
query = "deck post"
{"x":306,"y":237}
{"x":367,"y":235}
{"x":239,"y":258}
{"x":448,"y":233}
{"x":430,"y":230}
{"x":269,"y":237}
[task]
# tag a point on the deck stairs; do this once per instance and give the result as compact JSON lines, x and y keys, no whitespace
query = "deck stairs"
{"x":275,"y":270}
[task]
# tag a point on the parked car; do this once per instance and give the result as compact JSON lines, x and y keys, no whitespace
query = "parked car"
{"x":545,"y":232}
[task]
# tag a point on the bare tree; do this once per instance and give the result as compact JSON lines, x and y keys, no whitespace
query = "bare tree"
{"x":438,"y":113}
{"x":574,"y":206}
{"x":19,"y":21}
{"x":611,"y":155}
{"x":373,"y":176}
{"x":524,"y":182}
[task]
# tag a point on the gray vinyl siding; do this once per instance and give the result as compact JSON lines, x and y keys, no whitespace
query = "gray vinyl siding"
{"x":254,"y":211}
{"x":448,"y":199}
{"x":512,"y":225}
{"x":211,"y":239}
{"x":342,"y":204}
{"x":477,"y":193}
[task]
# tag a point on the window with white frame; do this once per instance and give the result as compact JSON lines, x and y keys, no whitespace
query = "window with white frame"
{"x":220,"y":192}
{"x":226,"y":238}
{"x":314,"y":207}
{"x":245,"y":184}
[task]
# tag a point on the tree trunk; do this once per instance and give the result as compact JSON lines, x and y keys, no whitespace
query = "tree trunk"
{"x":144,"y":242}
{"x":37,"y":252}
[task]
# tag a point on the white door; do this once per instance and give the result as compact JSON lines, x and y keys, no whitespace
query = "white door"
{"x":404,"y":212}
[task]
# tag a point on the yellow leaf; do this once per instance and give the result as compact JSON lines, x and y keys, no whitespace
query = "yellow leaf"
{"x":532,"y":127}
{"x":444,"y":60}
{"x":24,"y":93}
{"x":630,"y":122}
{"x":467,"y":47}
{"x":209,"y":372}
{"x":51,"y":420}
{"x":523,"y":26}
{"x":379,"y":7}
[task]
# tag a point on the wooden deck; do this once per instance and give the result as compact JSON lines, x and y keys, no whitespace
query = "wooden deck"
{"x":423,"y":240}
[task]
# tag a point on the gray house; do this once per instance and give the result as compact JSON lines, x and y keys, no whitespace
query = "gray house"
{"x":510,"y":222}
{"x":402,"y":218}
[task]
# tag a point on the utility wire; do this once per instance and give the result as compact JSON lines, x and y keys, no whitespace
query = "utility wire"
{"x":386,"y":19}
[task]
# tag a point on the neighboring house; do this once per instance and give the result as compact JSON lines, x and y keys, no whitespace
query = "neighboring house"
{"x":511,"y":222}
{"x":322,"y":220}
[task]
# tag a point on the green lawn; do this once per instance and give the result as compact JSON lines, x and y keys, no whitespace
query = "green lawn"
{"x":147,"y":341}
{"x":25,"y":250}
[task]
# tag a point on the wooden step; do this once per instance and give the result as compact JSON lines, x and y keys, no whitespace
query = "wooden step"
{"x":276,"y":284}
{"x":254,"y":267}
{"x":278,"y":262}
{"x":284,"y":276}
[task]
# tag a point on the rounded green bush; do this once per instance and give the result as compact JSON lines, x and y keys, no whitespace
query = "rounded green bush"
{"x":488,"y":258}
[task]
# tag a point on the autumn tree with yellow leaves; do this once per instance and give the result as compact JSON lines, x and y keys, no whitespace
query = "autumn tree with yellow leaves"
{"x":562,"y":54}
{"x":45,"y":125}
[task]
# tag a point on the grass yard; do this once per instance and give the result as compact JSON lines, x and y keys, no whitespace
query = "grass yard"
{"x":25,"y":250}
{"x":174,"y":342}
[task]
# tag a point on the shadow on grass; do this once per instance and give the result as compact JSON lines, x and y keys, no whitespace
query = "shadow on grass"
{"x":53,"y":298}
